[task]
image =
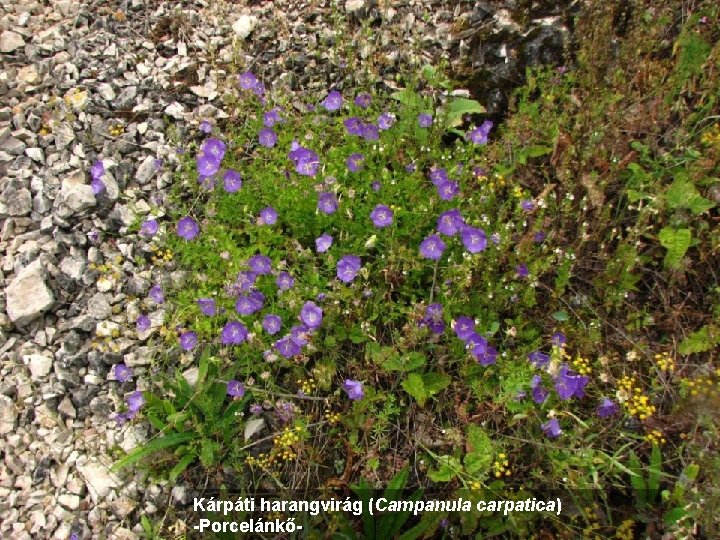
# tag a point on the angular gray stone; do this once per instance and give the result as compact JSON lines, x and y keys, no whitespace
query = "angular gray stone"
{"x":73,"y":199}
{"x":9,"y":41}
{"x":38,"y":364}
{"x":8,"y":414}
{"x":98,"y":478}
{"x":15,"y":202}
{"x":28,"y":296}
{"x":99,"y":307}
{"x":146,"y":170}
{"x":64,"y":135}
{"x":73,"y":267}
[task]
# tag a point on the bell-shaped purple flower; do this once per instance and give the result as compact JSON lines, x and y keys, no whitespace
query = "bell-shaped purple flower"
{"x":188,"y":340}
{"x":323,"y":243}
{"x":348,"y":267}
{"x":268,"y":216}
{"x":474,"y":239}
{"x":233,"y":333}
{"x":353,"y":389}
{"x":432,"y":247}
{"x":381,"y":216}
{"x":235,"y":389}
{"x":327,"y":203}
{"x":551,"y":428}
{"x":207,"y":306}
{"x":311,"y":315}
{"x":232,"y":181}
{"x":284,"y":281}
{"x":272,"y":324}
{"x":188,"y":228}
{"x":333,"y":101}
{"x":260,"y":264}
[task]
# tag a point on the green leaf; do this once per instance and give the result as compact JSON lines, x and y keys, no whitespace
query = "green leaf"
{"x":181,"y":465}
{"x":421,"y":387}
{"x":409,"y":98}
{"x":654,"y":472}
{"x":363,"y":492}
{"x":168,"y":441}
{"x":357,"y":335}
{"x":207,"y":452}
{"x":682,"y":193}
{"x":532,"y":152}
{"x":637,"y":480}
{"x":677,"y":242}
{"x":458,"y":108}
{"x":435,"y":382}
{"x":634,"y":195}
{"x":674,"y":515}
{"x":477,"y":463}
{"x":702,"y":340}
{"x":690,"y":472}
{"x":448,"y":468}
{"x":560,"y":316}
{"x":415,"y":386}
{"x":407,"y":362}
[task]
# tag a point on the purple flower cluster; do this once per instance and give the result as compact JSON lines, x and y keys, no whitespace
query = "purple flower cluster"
{"x":447,"y":189}
{"x":566,"y":382}
{"x":433,"y":319}
{"x":483,"y":352}
{"x":248,"y":81}
{"x":569,"y":384}
{"x":360,"y":128}
{"x":249,"y":303}
{"x":210,"y":157}
{"x":134,"y":403}
{"x":306,"y":161}
{"x":479,"y":135}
